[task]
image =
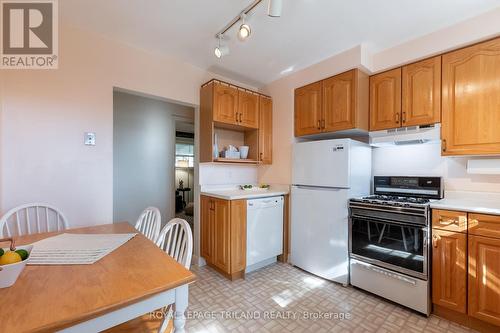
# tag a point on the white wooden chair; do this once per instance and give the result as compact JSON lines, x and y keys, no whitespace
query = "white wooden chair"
{"x":149,"y":223}
{"x":32,"y":219}
{"x":176,"y":239}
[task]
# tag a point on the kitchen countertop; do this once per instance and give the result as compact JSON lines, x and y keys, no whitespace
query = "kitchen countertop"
{"x":237,"y":194}
{"x":474,"y":202}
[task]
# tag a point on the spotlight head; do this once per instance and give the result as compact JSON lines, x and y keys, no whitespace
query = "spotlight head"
{"x":221,"y":51}
{"x":275,"y":8}
{"x":244,"y":32}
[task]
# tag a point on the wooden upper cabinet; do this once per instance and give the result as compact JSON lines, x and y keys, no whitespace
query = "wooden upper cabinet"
{"x":308,"y":109}
{"x":225,"y":104}
{"x":266,"y":130}
{"x":385,"y":100}
{"x":471,"y":100}
{"x":421,"y":101}
{"x":484,"y":275}
{"x":345,"y":102}
{"x":449,"y":272}
{"x":248,"y":109}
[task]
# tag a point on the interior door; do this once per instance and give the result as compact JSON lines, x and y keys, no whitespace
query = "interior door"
{"x":471,"y":100}
{"x":225,"y":107}
{"x":339,"y":102}
{"x":248,"y":109}
{"x":385,"y":100}
{"x":308,"y":109}
{"x":422,"y":93}
{"x":319,"y":232}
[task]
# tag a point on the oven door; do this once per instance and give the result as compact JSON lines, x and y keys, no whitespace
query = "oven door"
{"x":401,"y":247}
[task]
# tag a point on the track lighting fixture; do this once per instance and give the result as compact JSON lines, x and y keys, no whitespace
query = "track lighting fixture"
{"x":274,"y":10}
{"x":244,"y":31}
{"x":275,"y":7}
{"x":221,"y":50}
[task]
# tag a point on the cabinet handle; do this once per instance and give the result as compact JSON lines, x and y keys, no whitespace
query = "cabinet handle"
{"x":261,"y":156}
{"x":240,"y":118}
{"x":447,"y":222}
{"x":435,"y":240}
{"x":404,"y":117}
{"x":443,"y":144}
{"x":397,"y":118}
{"x":237,"y":121}
{"x":323,"y":124}
{"x":319,"y":124}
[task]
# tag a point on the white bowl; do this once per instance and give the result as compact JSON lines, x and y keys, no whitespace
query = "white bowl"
{"x":10,"y":273}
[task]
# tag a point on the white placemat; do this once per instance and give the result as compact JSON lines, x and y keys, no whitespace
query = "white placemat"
{"x":75,"y":249}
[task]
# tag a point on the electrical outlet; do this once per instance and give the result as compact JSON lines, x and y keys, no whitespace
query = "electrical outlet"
{"x":89,"y":139}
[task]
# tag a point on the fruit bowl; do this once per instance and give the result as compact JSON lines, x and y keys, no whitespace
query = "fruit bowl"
{"x":9,"y":273}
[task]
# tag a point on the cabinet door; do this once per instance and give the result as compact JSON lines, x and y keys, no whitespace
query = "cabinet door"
{"x":422,"y":93}
{"x":385,"y":100}
{"x":238,"y":235}
{"x":339,"y":102}
{"x":471,"y":100}
{"x":266,"y":130}
{"x":206,"y":228}
{"x":449,"y":272}
{"x":222,"y":235}
{"x":225,"y":107}
{"x":308,"y":109}
{"x":248,"y":109}
{"x":484,"y":275}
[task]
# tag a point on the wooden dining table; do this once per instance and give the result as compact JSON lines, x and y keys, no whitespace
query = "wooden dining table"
{"x":133,"y":280}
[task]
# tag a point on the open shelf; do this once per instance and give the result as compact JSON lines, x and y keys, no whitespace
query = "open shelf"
{"x":234,"y":160}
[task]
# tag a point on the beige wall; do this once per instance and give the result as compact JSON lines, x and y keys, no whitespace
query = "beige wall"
{"x":282,"y":91}
{"x":45,"y":113}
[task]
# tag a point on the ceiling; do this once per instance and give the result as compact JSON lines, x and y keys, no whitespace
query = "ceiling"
{"x":308,"y":31}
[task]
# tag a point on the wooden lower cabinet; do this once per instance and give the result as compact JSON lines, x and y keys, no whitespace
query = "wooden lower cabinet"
{"x":223,"y":235}
{"x":207,"y":217}
{"x":466,"y":268}
{"x":449,"y":269}
{"x":484,"y":279}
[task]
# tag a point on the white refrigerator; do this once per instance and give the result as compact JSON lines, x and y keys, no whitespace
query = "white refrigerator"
{"x":325,"y":175}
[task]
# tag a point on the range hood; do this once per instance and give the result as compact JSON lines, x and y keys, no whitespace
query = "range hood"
{"x":406,"y":136}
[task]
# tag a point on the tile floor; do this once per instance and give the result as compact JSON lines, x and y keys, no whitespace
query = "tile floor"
{"x":291,"y":295}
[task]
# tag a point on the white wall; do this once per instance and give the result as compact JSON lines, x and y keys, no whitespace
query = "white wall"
{"x":426,"y":160}
{"x":144,"y":155}
{"x":44,"y":114}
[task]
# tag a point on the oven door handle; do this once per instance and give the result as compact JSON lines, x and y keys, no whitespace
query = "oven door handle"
{"x":381,"y":271}
{"x":367,"y":207}
{"x":405,"y":224}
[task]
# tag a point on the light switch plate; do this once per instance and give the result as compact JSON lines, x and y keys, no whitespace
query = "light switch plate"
{"x":89,"y":139}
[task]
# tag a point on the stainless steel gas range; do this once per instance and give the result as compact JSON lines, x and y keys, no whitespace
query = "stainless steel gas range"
{"x":389,"y":235}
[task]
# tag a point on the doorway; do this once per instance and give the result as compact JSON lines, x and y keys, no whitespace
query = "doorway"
{"x":144,"y":150}
{"x":184,"y":171}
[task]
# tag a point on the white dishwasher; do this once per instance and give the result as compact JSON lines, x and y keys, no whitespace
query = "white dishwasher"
{"x":264,"y":231}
